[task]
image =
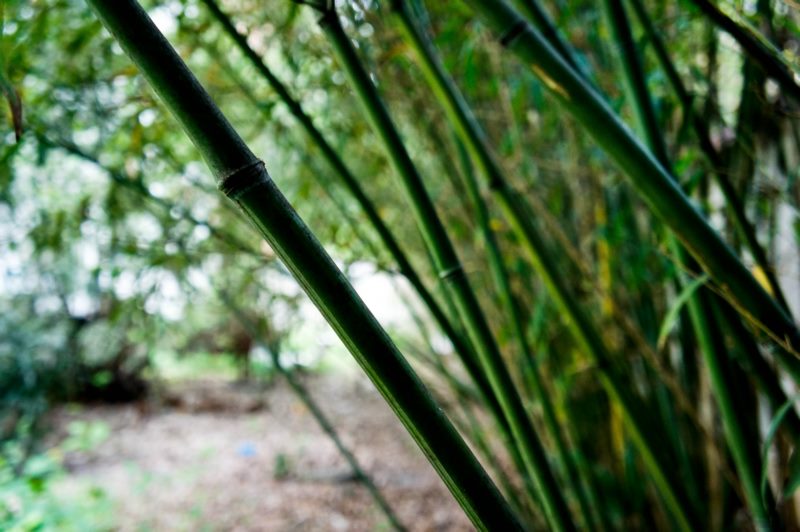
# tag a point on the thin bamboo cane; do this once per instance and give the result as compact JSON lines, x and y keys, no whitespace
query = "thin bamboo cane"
{"x":244,"y":179}
{"x":451,"y":270}
{"x":649,"y":177}
{"x":586,"y":501}
{"x":316,"y":412}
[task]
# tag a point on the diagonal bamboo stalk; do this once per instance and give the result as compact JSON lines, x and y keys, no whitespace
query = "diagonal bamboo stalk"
{"x":461,"y":345}
{"x":245,"y":180}
{"x":451,"y":270}
{"x":650,"y":178}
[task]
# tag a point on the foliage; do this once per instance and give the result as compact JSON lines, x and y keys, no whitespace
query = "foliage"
{"x":29,"y":498}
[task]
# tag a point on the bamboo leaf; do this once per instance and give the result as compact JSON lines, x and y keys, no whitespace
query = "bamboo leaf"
{"x":672,"y":315}
{"x":774,"y":425}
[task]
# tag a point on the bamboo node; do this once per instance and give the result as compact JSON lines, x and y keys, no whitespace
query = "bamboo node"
{"x":243,"y":179}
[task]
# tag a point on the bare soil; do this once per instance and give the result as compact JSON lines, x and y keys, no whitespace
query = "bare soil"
{"x":220,"y":456}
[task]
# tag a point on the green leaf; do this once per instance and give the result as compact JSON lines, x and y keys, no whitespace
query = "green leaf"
{"x":672,"y":316}
{"x":794,"y":467}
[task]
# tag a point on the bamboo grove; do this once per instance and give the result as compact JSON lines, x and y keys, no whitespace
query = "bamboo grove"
{"x":585,"y":201}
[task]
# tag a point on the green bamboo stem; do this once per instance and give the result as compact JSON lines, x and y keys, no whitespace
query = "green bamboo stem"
{"x":461,"y":344}
{"x":245,"y":180}
{"x":474,"y":139}
{"x":316,"y":412}
{"x":755,"y":46}
{"x":702,"y":318}
{"x":649,"y":177}
{"x":500,"y":276}
{"x":450,"y":269}
{"x":701,"y":129}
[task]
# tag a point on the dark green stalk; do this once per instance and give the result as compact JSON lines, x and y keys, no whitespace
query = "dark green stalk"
{"x":649,"y":177}
{"x":450,"y":269}
{"x":461,"y":345}
{"x":316,"y":412}
{"x":706,"y":329}
{"x":581,"y":326}
{"x":755,"y":46}
{"x":245,"y":180}
{"x":701,"y":129}
{"x":502,"y":283}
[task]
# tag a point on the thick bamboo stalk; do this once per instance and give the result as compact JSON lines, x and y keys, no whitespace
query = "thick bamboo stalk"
{"x":245,"y":180}
{"x":649,"y":177}
{"x":451,"y":270}
{"x":461,"y":344}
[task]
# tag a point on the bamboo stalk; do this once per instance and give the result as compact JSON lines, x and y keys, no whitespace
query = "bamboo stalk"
{"x":451,"y":270}
{"x":461,"y":344}
{"x":500,"y":276}
{"x":244,"y":179}
{"x":650,"y":178}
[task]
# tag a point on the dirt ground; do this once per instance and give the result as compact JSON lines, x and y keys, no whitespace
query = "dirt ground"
{"x":216,"y":456}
